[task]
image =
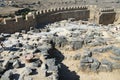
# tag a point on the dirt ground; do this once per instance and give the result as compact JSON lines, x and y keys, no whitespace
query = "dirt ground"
{"x":6,"y":10}
{"x":114,"y":75}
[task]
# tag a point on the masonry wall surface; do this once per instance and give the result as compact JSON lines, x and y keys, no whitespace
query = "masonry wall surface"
{"x":45,"y":17}
{"x":12,"y":26}
{"x":40,"y":18}
{"x":117,"y":17}
{"x":106,"y":18}
{"x":64,"y":15}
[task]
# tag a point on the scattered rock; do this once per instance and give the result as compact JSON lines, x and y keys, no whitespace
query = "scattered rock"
{"x":76,"y":45}
{"x":7,"y":75}
{"x":55,"y":76}
{"x":22,"y":77}
{"x":27,"y":71}
{"x":76,"y":57}
{"x":28,"y":57}
{"x":44,"y":67}
{"x":116,"y":51}
{"x":84,"y":66}
{"x":87,"y":54}
{"x":115,"y":58}
{"x":1,"y":69}
{"x":103,"y":68}
{"x":108,"y":63}
{"x":102,"y":49}
{"x":95,"y":65}
{"x":87,"y":60}
{"x":60,"y":41}
{"x":116,"y":65}
{"x":37,"y":63}
{"x":17,"y":64}
{"x":6,"y":64}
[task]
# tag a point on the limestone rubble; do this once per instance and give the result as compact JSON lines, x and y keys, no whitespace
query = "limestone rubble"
{"x":39,"y":51}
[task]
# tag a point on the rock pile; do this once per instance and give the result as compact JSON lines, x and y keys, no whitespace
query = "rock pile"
{"x":27,"y":53}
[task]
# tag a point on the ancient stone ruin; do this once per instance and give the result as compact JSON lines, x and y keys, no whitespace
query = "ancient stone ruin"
{"x":67,"y":43}
{"x":40,"y":18}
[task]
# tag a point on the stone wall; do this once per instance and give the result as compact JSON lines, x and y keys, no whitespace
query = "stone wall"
{"x":117,"y":17}
{"x":53,"y":15}
{"x":17,"y":24}
{"x":44,"y":17}
{"x":106,"y":16}
{"x":93,"y":13}
{"x":40,"y":18}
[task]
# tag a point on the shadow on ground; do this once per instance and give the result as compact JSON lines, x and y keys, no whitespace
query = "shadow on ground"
{"x":66,"y":74}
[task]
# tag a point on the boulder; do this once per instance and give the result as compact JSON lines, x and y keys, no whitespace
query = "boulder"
{"x":23,"y":31}
{"x":22,"y":77}
{"x":52,"y":68}
{"x":84,"y":66}
{"x":116,"y":65}
{"x":13,"y":48}
{"x":27,"y":46}
{"x":36,"y":51}
{"x":28,"y":57}
{"x":60,"y":41}
{"x":87,"y":60}
{"x":44,"y":73}
{"x":51,"y":65}
{"x":13,"y":58}
{"x":102,"y":49}
{"x":77,"y":44}
{"x":117,"y":58}
{"x":44,"y":67}
{"x":88,"y":39}
{"x":103,"y":68}
{"x":55,"y":76}
{"x":75,"y":34}
{"x":116,"y":51}
{"x":100,"y":40}
{"x":108,"y":63}
{"x":95,"y":65}
{"x":93,"y":44}
{"x":27,"y":71}
{"x":17,"y":64}
{"x":6,"y":64}
{"x":87,"y":54}
{"x":50,"y":62}
{"x":29,"y":78}
{"x":37,"y":63}
{"x":6,"y":35}
{"x":1,"y":69}
{"x":76,"y":57}
{"x":44,"y":47}
{"x":7,"y":75}
{"x":19,"y":44}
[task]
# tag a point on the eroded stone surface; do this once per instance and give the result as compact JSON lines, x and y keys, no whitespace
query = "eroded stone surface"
{"x":36,"y":53}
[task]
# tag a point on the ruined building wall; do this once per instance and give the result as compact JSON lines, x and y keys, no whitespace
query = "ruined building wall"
{"x":43,"y":17}
{"x":107,"y":16}
{"x":58,"y":14}
{"x":117,"y":17}
{"x":91,"y":13}
{"x":17,"y":24}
